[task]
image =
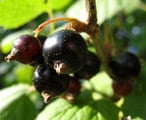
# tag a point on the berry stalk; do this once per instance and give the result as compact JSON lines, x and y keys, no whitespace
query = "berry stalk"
{"x":74,"y":24}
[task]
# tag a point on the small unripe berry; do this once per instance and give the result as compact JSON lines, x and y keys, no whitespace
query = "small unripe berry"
{"x":73,"y":90}
{"x":26,"y":49}
{"x":122,"y":88}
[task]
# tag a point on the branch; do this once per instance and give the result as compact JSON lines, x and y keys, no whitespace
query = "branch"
{"x":94,"y":31}
{"x":91,"y":11}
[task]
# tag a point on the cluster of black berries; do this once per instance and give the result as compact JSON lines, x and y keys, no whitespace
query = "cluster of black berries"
{"x":60,"y":60}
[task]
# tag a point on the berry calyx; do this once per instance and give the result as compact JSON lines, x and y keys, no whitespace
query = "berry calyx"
{"x":65,"y":51}
{"x":26,"y":49}
{"x":49,"y":83}
{"x":90,"y":68}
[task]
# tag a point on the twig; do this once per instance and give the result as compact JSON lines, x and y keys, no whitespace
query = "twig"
{"x":94,"y":31}
{"x":91,"y":11}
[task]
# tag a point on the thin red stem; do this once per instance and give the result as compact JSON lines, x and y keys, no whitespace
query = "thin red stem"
{"x":44,"y":24}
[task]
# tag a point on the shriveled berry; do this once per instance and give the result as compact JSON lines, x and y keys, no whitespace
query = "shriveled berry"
{"x":26,"y":49}
{"x":90,"y":68}
{"x":49,"y":83}
{"x":125,"y":65}
{"x":65,"y":51}
{"x":73,"y":90}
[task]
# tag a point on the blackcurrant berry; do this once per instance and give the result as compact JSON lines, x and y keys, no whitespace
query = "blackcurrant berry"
{"x":26,"y":49}
{"x":39,"y":60}
{"x":73,"y":90}
{"x":65,"y":51}
{"x":125,"y":65}
{"x":91,"y":66}
{"x":49,"y":83}
{"x":122,"y":88}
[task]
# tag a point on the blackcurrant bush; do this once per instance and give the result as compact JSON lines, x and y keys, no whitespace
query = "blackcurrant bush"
{"x":26,"y":49}
{"x":73,"y":90}
{"x":125,"y":65}
{"x":90,"y":68}
{"x":65,"y":51}
{"x":122,"y":88}
{"x":49,"y":83}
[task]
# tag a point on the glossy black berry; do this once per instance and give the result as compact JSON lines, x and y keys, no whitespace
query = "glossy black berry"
{"x":26,"y":49}
{"x":91,"y":66}
{"x":49,"y":83}
{"x":125,"y":65}
{"x":65,"y":51}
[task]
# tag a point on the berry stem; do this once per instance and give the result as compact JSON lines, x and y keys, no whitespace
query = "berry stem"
{"x":109,"y":41}
{"x":44,"y":24}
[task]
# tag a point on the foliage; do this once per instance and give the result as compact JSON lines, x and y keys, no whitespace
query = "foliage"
{"x":17,"y":98}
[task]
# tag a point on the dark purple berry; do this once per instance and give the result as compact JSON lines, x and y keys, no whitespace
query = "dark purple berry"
{"x":125,"y":65}
{"x":91,"y":66}
{"x":25,"y":49}
{"x":49,"y":83}
{"x":39,"y":60}
{"x":73,"y":90}
{"x":65,"y":51}
{"x":122,"y":88}
{"x":74,"y":85}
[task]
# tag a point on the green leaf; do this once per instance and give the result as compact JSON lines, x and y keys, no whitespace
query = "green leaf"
{"x":7,"y":42}
{"x":60,"y":109}
{"x":137,"y":118}
{"x":24,"y":73}
{"x":15,"y":104}
{"x":105,"y":8}
{"x":58,"y":4}
{"x":102,"y":82}
{"x":17,"y":12}
{"x":134,"y":104}
{"x":106,"y":108}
